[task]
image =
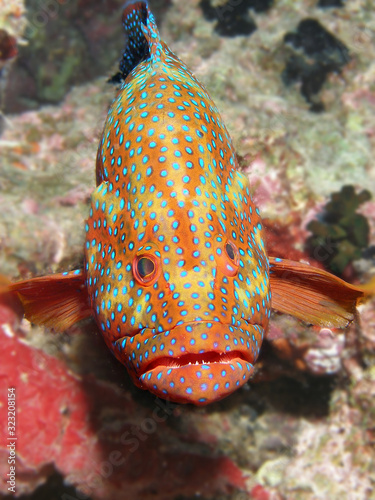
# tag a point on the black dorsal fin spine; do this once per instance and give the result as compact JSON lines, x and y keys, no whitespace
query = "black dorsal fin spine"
{"x":135,"y":14}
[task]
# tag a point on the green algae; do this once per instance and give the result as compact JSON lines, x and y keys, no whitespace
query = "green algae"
{"x":340,"y":234}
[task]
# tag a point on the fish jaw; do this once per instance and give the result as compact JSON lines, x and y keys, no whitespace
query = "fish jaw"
{"x":198,"y":362}
{"x":198,"y":383}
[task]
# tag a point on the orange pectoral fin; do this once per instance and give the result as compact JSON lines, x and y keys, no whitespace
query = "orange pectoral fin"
{"x":57,"y":301}
{"x":313,"y":295}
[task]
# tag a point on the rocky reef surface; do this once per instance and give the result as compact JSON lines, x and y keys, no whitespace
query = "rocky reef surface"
{"x":304,"y":428}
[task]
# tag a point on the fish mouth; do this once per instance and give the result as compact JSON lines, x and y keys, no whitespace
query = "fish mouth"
{"x":197,"y":362}
{"x":205,"y":358}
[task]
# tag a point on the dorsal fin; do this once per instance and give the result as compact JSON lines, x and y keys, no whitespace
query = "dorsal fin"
{"x":57,"y":301}
{"x":134,"y":17}
{"x":142,"y":38}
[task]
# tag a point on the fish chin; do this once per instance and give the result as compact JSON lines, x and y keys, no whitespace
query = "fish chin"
{"x":195,"y":382}
{"x":197,"y":362}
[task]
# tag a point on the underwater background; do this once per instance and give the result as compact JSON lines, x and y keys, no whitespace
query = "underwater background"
{"x":295,"y":84}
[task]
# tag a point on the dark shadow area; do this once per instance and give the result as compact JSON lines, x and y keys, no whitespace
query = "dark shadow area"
{"x":329,"y":4}
{"x":308,"y":398}
{"x":53,"y":489}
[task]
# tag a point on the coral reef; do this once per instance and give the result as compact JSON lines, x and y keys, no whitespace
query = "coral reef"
{"x":8,"y":51}
{"x":305,"y":430}
{"x":12,"y":18}
{"x":67,"y":43}
{"x":12,"y":25}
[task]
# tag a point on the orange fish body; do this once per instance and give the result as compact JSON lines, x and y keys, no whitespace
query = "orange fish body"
{"x":173,"y":235}
{"x":176,"y":273}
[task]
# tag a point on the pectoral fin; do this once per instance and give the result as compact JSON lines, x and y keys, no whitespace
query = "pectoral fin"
{"x":313,"y":295}
{"x":57,"y":301}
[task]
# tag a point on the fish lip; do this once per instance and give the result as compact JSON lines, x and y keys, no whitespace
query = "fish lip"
{"x":209,"y":357}
{"x":206,"y":358}
{"x":137,"y":352}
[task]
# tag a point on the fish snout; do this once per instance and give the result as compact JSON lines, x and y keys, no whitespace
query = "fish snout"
{"x":197,"y":362}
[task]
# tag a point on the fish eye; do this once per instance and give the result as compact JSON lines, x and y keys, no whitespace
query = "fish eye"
{"x":227,"y":257}
{"x":230,"y":250}
{"x":146,"y":269}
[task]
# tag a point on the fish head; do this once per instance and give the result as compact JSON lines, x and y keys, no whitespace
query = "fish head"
{"x":180,"y":294}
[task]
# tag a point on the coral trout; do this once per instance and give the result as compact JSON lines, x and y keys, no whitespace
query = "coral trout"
{"x":176,"y":271}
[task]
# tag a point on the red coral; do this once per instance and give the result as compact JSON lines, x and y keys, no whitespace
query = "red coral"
{"x":8,"y":46}
{"x":259,"y":492}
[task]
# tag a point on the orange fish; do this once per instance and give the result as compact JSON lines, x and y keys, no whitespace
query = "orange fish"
{"x":176,"y":272}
